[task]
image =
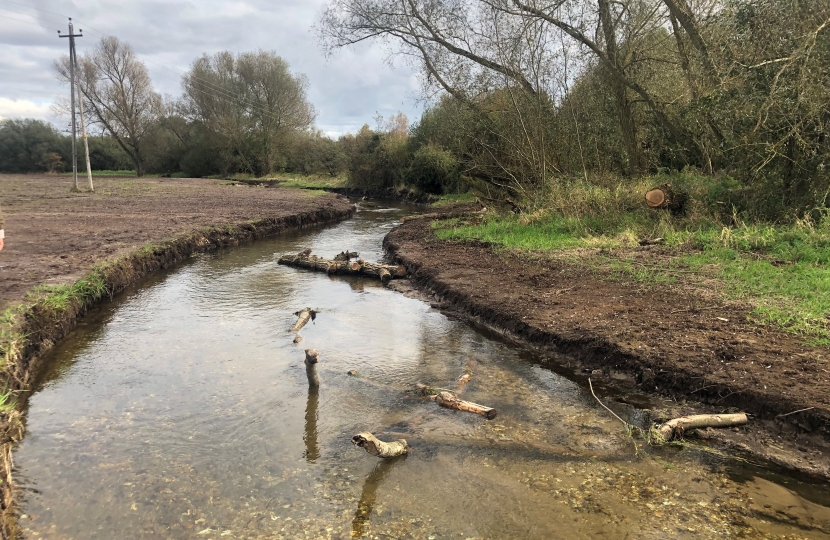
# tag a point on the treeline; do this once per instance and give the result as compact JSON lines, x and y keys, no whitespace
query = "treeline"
{"x":238,"y":113}
{"x":538,"y":91}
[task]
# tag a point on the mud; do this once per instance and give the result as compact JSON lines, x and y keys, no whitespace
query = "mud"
{"x":628,"y":334}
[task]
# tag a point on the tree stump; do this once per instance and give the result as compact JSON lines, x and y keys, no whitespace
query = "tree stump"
{"x":311,"y":359}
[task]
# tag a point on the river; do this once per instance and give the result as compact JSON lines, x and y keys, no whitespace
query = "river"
{"x":181,"y":409}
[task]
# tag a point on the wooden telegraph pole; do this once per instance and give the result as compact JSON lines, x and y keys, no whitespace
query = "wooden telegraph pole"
{"x":71,"y":35}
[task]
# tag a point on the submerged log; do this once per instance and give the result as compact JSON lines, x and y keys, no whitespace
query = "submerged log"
{"x":311,"y":359}
{"x":451,"y":401}
{"x":384,"y":272}
{"x":447,"y":399}
{"x":666,"y":197}
{"x":675,"y":428}
{"x":303,"y":318}
{"x":378,"y":448}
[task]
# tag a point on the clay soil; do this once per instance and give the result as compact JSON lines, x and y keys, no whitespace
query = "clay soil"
{"x":660,"y":338}
{"x":55,"y":236}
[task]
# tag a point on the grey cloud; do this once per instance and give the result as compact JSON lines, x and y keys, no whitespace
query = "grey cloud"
{"x":347,"y":89}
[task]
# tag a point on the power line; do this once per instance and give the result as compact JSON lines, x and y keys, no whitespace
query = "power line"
{"x":26,"y":22}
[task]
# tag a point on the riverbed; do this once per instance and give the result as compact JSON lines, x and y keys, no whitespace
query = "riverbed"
{"x":181,"y":410}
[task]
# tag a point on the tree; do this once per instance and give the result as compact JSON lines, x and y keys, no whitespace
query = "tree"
{"x":250,"y":104}
{"x":118,"y":95}
{"x":30,"y":145}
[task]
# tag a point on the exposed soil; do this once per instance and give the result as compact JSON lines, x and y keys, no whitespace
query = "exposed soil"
{"x":55,"y":236}
{"x":660,"y":338}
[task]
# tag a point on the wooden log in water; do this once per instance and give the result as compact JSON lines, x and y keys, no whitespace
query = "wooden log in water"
{"x":303,"y":317}
{"x":378,"y":448}
{"x":311,"y":359}
{"x":384,"y":272}
{"x":451,"y":401}
{"x":447,"y":399}
{"x":676,"y":427}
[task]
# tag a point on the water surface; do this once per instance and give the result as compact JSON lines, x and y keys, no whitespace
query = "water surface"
{"x":182,"y":410}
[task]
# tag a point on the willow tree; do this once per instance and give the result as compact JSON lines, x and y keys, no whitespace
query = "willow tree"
{"x":251,"y":104}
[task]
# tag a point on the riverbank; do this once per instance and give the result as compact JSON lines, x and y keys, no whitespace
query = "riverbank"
{"x":682,"y":342}
{"x":66,"y":251}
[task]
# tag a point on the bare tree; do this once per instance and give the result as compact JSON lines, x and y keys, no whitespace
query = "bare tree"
{"x":118,"y":95}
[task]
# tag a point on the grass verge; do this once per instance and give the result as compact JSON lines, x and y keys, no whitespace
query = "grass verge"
{"x":781,"y":270}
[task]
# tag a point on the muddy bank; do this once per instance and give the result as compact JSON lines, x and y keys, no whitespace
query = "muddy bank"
{"x":703,"y":359}
{"x":105,"y":242}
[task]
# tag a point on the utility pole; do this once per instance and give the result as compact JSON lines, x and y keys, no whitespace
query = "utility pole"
{"x":83,"y":126}
{"x":72,"y":37}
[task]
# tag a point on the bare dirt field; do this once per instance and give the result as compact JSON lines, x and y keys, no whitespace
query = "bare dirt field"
{"x":714,"y":359}
{"x":54,"y":236}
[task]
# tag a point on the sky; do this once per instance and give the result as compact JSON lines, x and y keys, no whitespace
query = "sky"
{"x":348,"y":89}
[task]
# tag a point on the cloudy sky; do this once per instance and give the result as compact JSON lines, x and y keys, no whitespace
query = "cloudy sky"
{"x":347,"y":89}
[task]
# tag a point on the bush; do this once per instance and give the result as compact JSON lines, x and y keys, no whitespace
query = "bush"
{"x":434,"y":170}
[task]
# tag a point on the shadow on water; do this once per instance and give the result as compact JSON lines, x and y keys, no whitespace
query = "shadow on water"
{"x":369,"y":494}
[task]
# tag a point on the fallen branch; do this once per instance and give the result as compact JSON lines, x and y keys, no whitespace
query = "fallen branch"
{"x":447,"y":399}
{"x":795,"y":412}
{"x":304,"y":316}
{"x":378,"y":448}
{"x":675,"y":428}
{"x":466,"y":376}
{"x":304,"y":259}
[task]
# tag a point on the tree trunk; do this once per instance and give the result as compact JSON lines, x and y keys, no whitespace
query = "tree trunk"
{"x":628,"y":129}
{"x":675,"y":428}
{"x":378,"y":448}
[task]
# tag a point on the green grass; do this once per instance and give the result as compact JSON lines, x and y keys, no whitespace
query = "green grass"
{"x":58,"y":298}
{"x":781,"y":270}
{"x":455,"y":198}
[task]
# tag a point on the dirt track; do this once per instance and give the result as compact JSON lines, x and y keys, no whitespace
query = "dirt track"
{"x":55,"y":236}
{"x":714,"y":357}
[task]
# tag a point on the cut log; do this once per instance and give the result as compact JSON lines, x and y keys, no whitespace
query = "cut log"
{"x":666,"y":197}
{"x":311,"y":359}
{"x":346,"y":255}
{"x":675,"y":428}
{"x":451,"y":401}
{"x":378,"y":448}
{"x":384,"y":272}
{"x":303,"y":318}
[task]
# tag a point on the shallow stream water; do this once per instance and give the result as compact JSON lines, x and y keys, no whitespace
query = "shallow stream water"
{"x":182,"y":410}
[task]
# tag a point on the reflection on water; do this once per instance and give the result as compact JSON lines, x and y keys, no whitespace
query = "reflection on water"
{"x":183,"y":410}
{"x":310,"y":436}
{"x":369,"y":494}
